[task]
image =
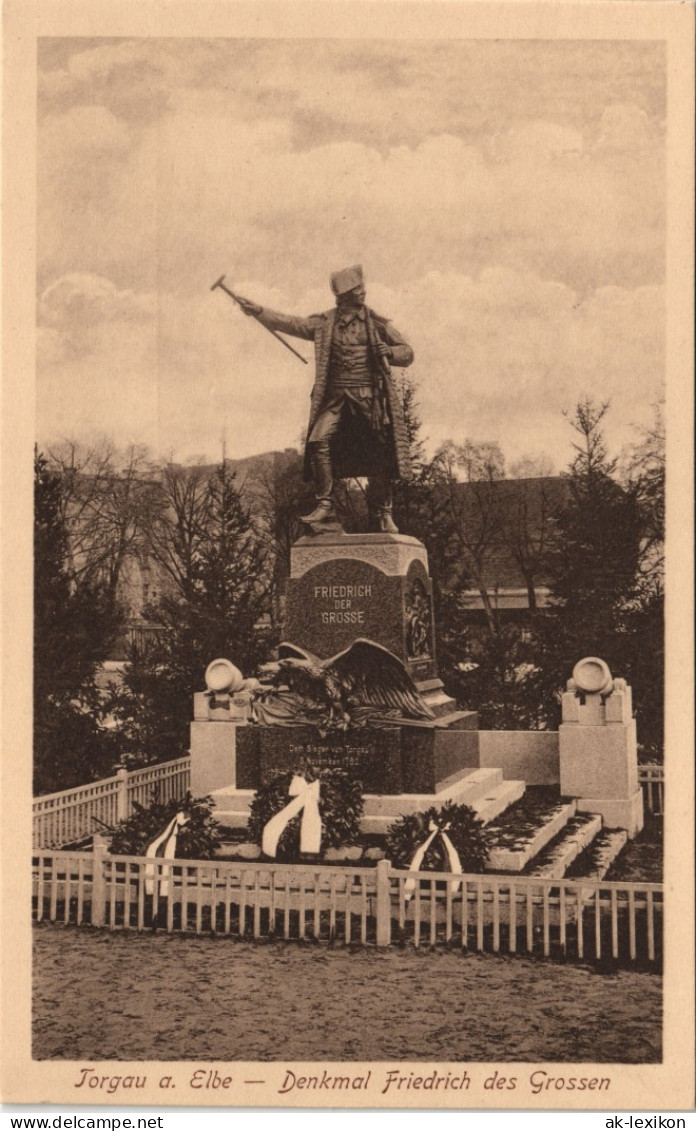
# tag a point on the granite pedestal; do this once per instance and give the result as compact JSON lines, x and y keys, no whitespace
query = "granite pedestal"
{"x":343,"y":587}
{"x":394,"y":759}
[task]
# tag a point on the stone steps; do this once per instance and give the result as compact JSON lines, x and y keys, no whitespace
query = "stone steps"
{"x":459,"y":775}
{"x":466,"y":787}
{"x":551,"y":842}
{"x":554,"y":860}
{"x":511,"y":849}
{"x":554,"y":842}
{"x":475,"y":783}
{"x":595,"y":861}
{"x":232,"y":806}
{"x":483,"y":789}
{"x":497,"y":799}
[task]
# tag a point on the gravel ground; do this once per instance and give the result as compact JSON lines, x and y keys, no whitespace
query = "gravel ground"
{"x":102,"y":995}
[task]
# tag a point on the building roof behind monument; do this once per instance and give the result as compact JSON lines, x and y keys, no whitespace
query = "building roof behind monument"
{"x":520,"y":511}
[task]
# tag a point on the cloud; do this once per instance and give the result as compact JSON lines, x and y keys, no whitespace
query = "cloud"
{"x":353,"y":86}
{"x":499,"y":356}
{"x":100,"y":62}
{"x":500,"y":152}
{"x":200,"y":190}
{"x":132,"y":62}
{"x":102,"y":382}
{"x":78,"y":312}
{"x":502,"y":356}
{"x":80,"y":300}
{"x":506,"y":200}
{"x":53,"y":348}
{"x":625,"y":127}
{"x":536,"y":142}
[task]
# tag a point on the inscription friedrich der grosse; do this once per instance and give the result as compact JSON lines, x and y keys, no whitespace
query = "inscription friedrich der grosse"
{"x":342,"y":597}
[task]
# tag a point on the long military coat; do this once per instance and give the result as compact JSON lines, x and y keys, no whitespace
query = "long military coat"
{"x":353,"y":456}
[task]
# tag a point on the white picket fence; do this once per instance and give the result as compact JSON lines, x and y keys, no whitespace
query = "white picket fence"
{"x":169,"y":780}
{"x":651,"y":777}
{"x":75,"y":814}
{"x":580,"y":920}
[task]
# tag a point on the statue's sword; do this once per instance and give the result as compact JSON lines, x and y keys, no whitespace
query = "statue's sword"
{"x":221,"y":284}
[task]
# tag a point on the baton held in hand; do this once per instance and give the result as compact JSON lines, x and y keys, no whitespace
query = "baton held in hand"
{"x":221,"y":284}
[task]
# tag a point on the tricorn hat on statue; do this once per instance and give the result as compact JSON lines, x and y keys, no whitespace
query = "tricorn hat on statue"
{"x":347,"y":279}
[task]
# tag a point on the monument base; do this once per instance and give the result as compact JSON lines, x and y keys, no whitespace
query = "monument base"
{"x":375,"y":586}
{"x":484,"y":790}
{"x":411,"y":757}
{"x":598,"y":761}
{"x":404,"y":757}
{"x":213,"y":747}
{"x":617,"y":813}
{"x":598,"y":750}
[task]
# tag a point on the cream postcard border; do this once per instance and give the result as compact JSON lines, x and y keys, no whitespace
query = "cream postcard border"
{"x":641,"y":1087}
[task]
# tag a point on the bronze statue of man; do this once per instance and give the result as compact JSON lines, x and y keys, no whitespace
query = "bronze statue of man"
{"x":356,"y":424}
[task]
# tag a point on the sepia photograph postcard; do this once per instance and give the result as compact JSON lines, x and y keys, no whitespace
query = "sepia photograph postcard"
{"x":347,"y":576}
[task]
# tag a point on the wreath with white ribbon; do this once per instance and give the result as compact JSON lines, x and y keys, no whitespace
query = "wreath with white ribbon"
{"x":449,"y":838}
{"x":305,"y":800}
{"x":326,"y":804}
{"x":455,"y":864}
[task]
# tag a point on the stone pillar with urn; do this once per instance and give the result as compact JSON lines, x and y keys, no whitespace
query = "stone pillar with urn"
{"x":598,"y":748}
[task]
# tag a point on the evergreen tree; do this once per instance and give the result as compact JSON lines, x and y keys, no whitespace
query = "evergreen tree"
{"x":644,"y":645}
{"x":644,"y":668}
{"x":592,"y":565}
{"x":498,"y":678}
{"x":281,"y":496}
{"x":74,"y":624}
{"x":214,"y":613}
{"x":412,"y":494}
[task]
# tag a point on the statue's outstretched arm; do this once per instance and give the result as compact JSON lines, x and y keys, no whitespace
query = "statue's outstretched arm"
{"x":289,"y":323}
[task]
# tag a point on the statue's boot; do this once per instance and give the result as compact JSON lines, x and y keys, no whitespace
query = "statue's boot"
{"x":385,"y":521}
{"x":380,"y":496}
{"x":323,"y":514}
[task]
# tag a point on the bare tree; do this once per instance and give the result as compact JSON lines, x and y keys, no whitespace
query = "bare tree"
{"x":107,"y":502}
{"x":278,"y":496}
{"x":473,"y":510}
{"x":527,"y":529}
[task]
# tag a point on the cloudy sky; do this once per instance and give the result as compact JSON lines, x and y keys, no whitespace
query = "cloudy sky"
{"x":505,"y":198}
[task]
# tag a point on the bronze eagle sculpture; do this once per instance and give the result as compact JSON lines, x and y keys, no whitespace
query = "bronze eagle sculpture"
{"x":365,"y":684}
